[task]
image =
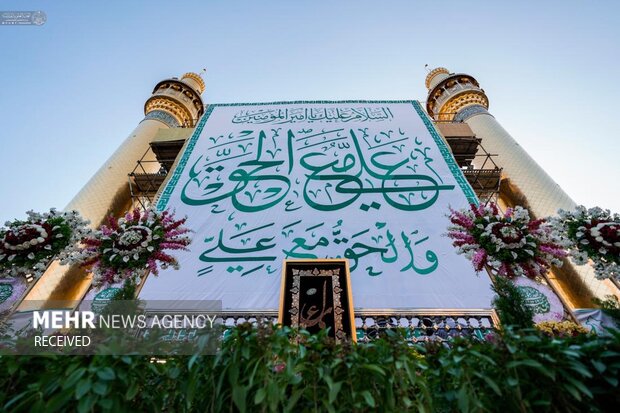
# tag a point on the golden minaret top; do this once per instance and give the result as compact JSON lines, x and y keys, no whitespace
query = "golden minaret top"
{"x":453,"y":96}
{"x":177,"y":102}
{"x":434,"y":73}
{"x":191,"y":76}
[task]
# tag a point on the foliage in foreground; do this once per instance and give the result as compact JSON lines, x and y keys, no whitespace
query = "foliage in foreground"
{"x":510,"y":304}
{"x":269,"y":369}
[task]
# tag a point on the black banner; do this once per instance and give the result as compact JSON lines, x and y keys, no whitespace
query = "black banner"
{"x":316,"y":295}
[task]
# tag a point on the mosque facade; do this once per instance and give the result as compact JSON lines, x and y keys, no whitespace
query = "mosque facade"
{"x":495,"y":165}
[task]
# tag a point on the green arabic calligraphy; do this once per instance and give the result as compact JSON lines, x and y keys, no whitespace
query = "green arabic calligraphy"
{"x":290,"y":170}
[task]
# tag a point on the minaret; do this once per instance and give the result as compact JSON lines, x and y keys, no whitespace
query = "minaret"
{"x":458,"y":97}
{"x":173,"y":103}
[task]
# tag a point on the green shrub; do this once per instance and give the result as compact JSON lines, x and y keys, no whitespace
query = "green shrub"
{"x":275,"y":370}
{"x":510,"y":305}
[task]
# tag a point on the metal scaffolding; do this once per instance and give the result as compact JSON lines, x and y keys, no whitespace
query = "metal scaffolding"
{"x":151,"y":171}
{"x":475,"y":162}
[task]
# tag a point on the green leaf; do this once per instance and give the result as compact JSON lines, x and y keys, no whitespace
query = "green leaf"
{"x":573,"y":391}
{"x":483,"y":356}
{"x":101,"y":388}
{"x":407,"y":401}
{"x":273,"y":394}
{"x":527,"y":362}
{"x":191,"y":361}
{"x":573,"y":354}
{"x":16,"y":399}
{"x":174,"y":372}
{"x":490,"y":383}
{"x":106,"y":373}
{"x":85,"y":404}
{"x":333,"y":392}
{"x":579,"y":385}
{"x":74,"y":377}
{"x":463,"y":399}
{"x":82,"y":388}
{"x":374,"y":368}
{"x":600,"y":367}
{"x":132,"y":391}
{"x":293,"y":399}
{"x":260,"y":395}
{"x":368,"y":397}
{"x":238,"y":396}
{"x":581,"y":369}
{"x":106,"y":403}
{"x":59,"y":400}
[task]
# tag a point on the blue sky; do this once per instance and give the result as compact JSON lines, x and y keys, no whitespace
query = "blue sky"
{"x":74,"y":88}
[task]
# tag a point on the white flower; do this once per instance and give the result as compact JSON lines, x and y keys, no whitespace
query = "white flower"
{"x":31,"y":256}
{"x":514,"y":254}
{"x":580,"y":257}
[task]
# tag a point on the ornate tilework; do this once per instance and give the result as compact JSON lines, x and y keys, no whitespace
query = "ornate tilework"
{"x":470,"y":111}
{"x":162,"y":116}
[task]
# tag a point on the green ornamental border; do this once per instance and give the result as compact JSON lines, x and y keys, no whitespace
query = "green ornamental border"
{"x":447,"y":156}
{"x":443,"y":149}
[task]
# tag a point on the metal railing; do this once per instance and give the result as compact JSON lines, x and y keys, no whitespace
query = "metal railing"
{"x":419,"y":326}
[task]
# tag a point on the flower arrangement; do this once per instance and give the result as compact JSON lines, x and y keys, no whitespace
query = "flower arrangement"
{"x":592,"y":234}
{"x":12,"y":289}
{"x":26,"y":247}
{"x":124,"y":248}
{"x":561,"y":328}
{"x":511,"y":244}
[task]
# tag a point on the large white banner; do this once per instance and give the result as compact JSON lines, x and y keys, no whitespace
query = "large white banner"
{"x":365,"y":180}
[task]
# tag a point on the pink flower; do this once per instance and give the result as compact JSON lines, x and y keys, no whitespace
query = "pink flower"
{"x":479,"y":259}
{"x":553,"y":250}
{"x":279,"y":368}
{"x":102,"y":252}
